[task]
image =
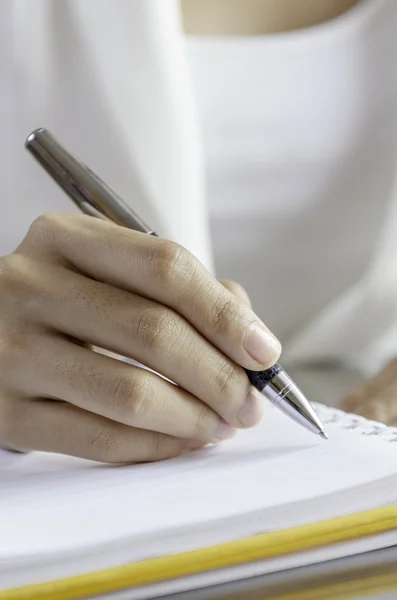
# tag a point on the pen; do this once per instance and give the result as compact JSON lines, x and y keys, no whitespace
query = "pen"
{"x":93,"y":197}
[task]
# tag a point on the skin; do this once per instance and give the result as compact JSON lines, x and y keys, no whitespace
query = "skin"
{"x":76,"y":282}
{"x":375,"y":399}
{"x":257,"y":17}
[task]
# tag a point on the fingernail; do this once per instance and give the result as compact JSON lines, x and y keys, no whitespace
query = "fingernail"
{"x":262,"y":346}
{"x":224,"y":432}
{"x":252,"y":410}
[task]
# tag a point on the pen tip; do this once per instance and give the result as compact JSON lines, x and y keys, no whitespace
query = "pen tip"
{"x":323,"y":435}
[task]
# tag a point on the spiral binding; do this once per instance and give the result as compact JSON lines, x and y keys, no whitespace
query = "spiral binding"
{"x":363,"y":426}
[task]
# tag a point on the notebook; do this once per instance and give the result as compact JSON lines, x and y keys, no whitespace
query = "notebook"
{"x":274,"y":498}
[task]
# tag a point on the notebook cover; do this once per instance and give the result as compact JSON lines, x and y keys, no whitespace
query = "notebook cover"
{"x":352,"y":589}
{"x":260,"y":547}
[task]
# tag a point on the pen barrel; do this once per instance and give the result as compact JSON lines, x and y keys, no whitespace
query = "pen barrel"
{"x":91,"y":195}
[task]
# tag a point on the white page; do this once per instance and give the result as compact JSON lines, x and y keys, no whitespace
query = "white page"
{"x":53,"y":504}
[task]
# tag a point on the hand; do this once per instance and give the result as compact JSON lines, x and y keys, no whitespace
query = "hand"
{"x":375,"y":399}
{"x":76,"y":282}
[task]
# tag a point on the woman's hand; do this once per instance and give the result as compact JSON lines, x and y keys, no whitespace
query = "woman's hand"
{"x":376,"y":399}
{"x":76,"y":281}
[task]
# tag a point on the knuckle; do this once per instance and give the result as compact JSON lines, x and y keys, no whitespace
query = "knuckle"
{"x":120,"y":395}
{"x":202,"y":422}
{"x":11,"y":277}
{"x":170,"y":262}
{"x":45,"y":228}
{"x":129,"y":397}
{"x":158,"y":330}
{"x":227,"y":381}
{"x":105,"y":444}
{"x":18,"y":284}
{"x":6,"y":270}
{"x":225,"y":315}
{"x":143,"y":393}
{"x":17,"y":290}
{"x":16,"y":352}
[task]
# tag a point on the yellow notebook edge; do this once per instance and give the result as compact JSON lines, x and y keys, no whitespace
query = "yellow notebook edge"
{"x":260,"y":547}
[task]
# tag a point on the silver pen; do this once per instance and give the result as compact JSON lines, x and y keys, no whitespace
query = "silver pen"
{"x":93,"y":197}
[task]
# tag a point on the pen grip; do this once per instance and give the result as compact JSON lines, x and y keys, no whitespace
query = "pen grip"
{"x":259,"y":379}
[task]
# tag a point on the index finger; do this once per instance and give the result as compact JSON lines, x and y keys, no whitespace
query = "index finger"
{"x":163,"y":271}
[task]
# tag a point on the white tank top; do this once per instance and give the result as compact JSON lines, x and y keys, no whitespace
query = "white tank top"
{"x":301,"y":147}
{"x":300,"y":140}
